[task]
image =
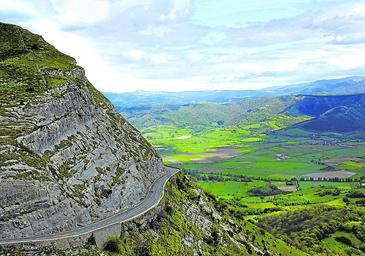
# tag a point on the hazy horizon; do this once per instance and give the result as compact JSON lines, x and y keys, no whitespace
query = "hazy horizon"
{"x":258,"y":89}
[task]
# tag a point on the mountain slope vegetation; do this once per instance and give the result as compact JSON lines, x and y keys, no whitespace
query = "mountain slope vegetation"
{"x":272,"y":175}
{"x":208,"y":114}
{"x":289,"y":164}
{"x":67,"y":157}
{"x":331,"y":113}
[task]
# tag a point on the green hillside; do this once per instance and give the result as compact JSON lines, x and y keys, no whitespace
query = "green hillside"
{"x":341,"y":113}
{"x":268,"y":162}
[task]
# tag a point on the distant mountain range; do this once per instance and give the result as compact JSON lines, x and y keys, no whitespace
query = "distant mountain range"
{"x":343,"y":86}
{"x":334,"y":105}
{"x":145,"y":98}
{"x":345,"y":113}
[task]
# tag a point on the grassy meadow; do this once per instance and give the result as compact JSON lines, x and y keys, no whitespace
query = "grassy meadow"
{"x":263,"y":169}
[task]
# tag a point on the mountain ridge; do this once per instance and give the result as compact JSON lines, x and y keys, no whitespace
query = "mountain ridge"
{"x":343,"y":86}
{"x":336,"y":113}
{"x":67,"y":157}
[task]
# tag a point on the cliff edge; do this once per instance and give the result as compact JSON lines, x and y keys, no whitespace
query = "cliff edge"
{"x":67,"y":158}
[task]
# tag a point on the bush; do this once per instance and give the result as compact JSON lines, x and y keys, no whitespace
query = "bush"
{"x":355,"y":194}
{"x":361,"y":202}
{"x":332,"y":192}
{"x":30,"y":89}
{"x":343,"y":240}
{"x":112,"y":245}
{"x":362,"y":248}
{"x":266,"y":191}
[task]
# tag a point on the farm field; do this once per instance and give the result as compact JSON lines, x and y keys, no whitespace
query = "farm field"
{"x":336,"y":242}
{"x":263,"y":168}
{"x":308,"y":193}
{"x":257,"y":173}
{"x":243,"y":152}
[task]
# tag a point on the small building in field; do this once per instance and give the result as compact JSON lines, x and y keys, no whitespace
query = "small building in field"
{"x":281,"y":157}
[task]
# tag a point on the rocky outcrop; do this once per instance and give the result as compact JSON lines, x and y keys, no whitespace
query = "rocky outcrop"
{"x":67,"y":158}
{"x":186,"y":222}
{"x":189,"y":222}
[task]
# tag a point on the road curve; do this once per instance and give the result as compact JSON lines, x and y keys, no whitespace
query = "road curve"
{"x":153,"y":198}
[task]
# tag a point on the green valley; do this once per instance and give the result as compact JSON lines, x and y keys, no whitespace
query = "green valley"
{"x":268,"y":159}
{"x":182,"y":128}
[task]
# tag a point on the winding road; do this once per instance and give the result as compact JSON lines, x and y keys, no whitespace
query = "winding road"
{"x":153,"y":198}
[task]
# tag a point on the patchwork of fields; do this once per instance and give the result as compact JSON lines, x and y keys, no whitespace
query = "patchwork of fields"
{"x":309,"y":170}
{"x":253,"y":158}
{"x":276,"y":156}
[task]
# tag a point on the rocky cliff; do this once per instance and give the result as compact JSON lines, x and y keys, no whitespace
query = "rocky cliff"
{"x":66,"y":157}
{"x":186,"y":222}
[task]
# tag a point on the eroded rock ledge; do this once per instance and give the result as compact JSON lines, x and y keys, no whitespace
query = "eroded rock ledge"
{"x":67,"y":157}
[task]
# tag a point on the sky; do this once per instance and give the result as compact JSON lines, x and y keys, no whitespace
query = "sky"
{"x":178,"y":45}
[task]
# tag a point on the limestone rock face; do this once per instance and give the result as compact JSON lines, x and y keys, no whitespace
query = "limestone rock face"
{"x":67,"y":158}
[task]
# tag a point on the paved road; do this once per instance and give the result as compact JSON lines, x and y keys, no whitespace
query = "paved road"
{"x":152,"y":199}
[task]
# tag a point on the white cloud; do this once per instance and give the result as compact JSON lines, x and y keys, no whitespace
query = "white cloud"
{"x":100,"y":72}
{"x":349,"y":10}
{"x":180,"y":8}
{"x":81,"y":12}
{"x":344,"y":23}
{"x":124,"y":5}
{"x":15,"y":6}
{"x":161,"y":58}
{"x":263,"y":66}
{"x":135,"y":54}
{"x":195,"y":56}
{"x":139,"y":44}
{"x":155,"y":58}
{"x":213,"y":38}
{"x":158,"y":31}
{"x":348,"y":58}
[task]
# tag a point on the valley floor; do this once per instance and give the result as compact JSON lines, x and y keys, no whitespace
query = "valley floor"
{"x":260,"y":176}
{"x":292,"y":165}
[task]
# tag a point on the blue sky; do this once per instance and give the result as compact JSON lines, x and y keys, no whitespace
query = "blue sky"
{"x":175,"y":45}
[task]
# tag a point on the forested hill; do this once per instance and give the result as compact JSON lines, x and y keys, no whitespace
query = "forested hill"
{"x":331,"y":113}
